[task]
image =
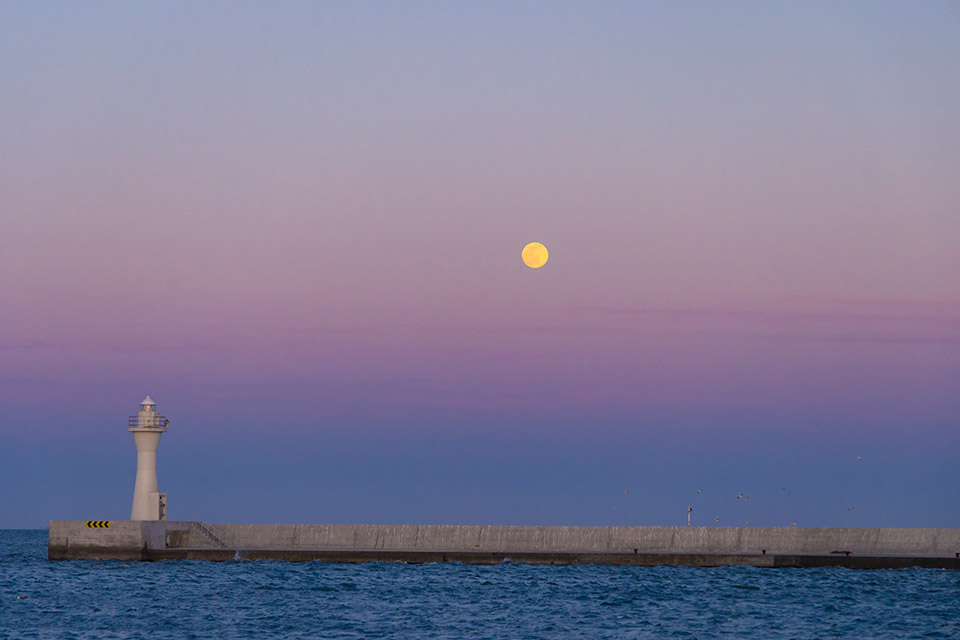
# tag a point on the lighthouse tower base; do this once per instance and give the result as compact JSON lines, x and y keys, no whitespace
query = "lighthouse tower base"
{"x":156,"y":506}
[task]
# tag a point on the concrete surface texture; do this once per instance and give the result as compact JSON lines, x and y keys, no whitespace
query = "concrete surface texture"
{"x":120,"y":540}
{"x":732,"y":540}
{"x":349,"y":543}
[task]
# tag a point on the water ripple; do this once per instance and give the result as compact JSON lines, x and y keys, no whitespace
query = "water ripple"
{"x":184,"y":599}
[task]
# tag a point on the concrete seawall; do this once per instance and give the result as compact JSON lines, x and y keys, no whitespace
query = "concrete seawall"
{"x":485,"y":544}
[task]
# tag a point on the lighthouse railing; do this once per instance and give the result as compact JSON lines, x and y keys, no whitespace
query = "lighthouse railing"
{"x":148,"y":422}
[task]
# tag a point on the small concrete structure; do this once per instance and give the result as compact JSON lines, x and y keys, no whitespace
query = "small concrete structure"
{"x":147,"y":427}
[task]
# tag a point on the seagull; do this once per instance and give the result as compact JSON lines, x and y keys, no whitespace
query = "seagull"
{"x":859,"y":458}
{"x":850,"y":508}
{"x":699,"y":490}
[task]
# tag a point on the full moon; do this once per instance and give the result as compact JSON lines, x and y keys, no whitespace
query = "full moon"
{"x":534,"y":255}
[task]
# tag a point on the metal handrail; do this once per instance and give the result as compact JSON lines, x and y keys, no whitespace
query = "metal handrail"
{"x":208,"y":531}
{"x":148,"y":422}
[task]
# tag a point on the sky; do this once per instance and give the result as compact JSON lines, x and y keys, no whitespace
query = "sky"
{"x":298,"y":227}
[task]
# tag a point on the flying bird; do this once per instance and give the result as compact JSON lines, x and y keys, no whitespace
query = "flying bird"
{"x":699,"y":490}
{"x":850,"y":508}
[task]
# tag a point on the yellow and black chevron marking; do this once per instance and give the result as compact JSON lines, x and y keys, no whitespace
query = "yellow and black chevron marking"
{"x":98,"y":524}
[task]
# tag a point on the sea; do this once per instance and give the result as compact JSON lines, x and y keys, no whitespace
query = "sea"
{"x":242,"y":599}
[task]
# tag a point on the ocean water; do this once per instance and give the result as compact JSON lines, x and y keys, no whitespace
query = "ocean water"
{"x":190,"y":599}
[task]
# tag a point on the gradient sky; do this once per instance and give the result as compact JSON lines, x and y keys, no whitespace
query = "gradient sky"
{"x":298,"y":226}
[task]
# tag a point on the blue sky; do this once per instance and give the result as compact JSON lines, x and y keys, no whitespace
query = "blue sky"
{"x":298,"y":227}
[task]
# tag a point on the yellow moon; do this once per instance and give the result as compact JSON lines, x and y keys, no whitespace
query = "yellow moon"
{"x":534,"y":255}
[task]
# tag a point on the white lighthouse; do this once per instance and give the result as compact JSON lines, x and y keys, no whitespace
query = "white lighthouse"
{"x":147,"y":427}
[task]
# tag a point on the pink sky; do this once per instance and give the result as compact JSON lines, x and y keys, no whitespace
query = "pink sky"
{"x":316,"y":214}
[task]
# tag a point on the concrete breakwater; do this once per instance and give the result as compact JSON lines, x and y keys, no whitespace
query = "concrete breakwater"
{"x":488,"y":544}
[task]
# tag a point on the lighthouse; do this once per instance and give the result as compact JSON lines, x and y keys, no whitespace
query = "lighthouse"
{"x":147,"y":427}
